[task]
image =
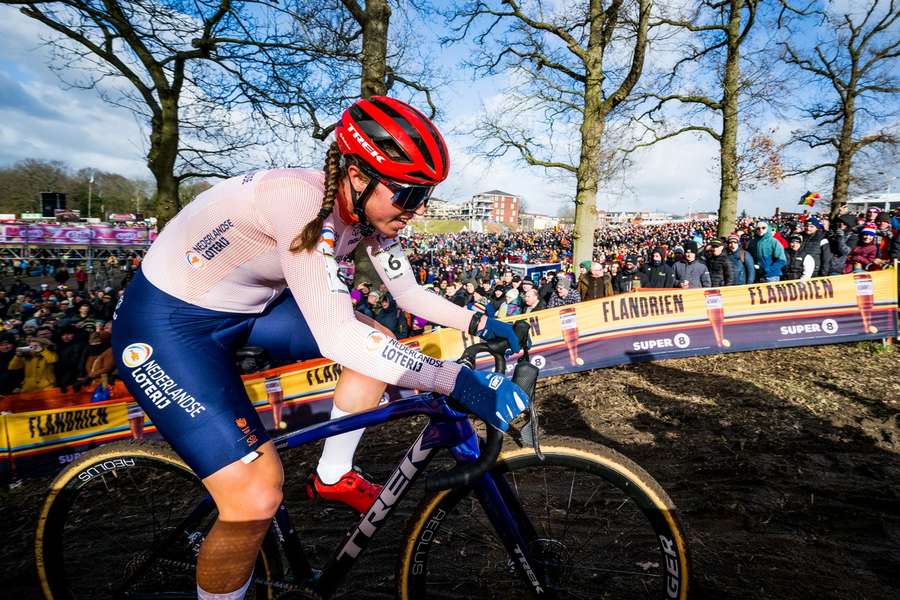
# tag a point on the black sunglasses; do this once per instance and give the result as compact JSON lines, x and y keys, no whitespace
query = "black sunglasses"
{"x":408,"y":197}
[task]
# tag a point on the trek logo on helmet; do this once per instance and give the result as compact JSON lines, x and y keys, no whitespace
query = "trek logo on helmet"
{"x":365,"y":145}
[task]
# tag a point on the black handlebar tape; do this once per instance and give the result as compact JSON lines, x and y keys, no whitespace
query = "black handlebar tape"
{"x":463,"y":475}
{"x":496,"y":348}
{"x":522,"y":329}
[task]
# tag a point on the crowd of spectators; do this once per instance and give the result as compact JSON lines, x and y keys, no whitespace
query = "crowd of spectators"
{"x":58,"y":334}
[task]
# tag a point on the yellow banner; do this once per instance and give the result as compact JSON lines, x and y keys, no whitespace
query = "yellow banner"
{"x":34,"y":429}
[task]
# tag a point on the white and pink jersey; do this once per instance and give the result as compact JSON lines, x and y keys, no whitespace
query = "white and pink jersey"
{"x":229,"y":250}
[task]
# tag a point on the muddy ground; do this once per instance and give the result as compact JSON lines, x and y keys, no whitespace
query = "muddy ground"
{"x":784,"y":464}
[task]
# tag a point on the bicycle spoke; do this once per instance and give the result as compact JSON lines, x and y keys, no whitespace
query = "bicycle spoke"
{"x":589,"y":539}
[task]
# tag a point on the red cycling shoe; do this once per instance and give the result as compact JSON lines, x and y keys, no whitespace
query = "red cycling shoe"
{"x":352,"y":489}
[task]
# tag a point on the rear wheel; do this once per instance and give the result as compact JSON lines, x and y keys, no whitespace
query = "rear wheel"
{"x":599,"y":527}
{"x":134,"y":498}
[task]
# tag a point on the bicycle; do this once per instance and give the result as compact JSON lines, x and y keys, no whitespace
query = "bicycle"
{"x":559,"y":519}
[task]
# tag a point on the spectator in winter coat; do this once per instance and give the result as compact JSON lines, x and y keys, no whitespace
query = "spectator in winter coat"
{"x":625,"y":278}
{"x":800,"y":264}
{"x":70,"y":357}
{"x":815,"y":243}
{"x":741,"y":262}
{"x":894,"y":250}
{"x":676,"y":256}
{"x":511,"y":307}
{"x":388,"y":315}
{"x":841,"y":239}
{"x":690,"y":272}
{"x":721,"y":271}
{"x":865,"y":253}
{"x":9,"y":379}
{"x":595,"y":283}
{"x":656,"y":273}
{"x":37,"y":360}
{"x":768,"y":254}
{"x":883,"y":238}
{"x":564,"y":293}
{"x":533,"y":301}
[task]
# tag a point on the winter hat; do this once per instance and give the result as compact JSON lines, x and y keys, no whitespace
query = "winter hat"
{"x":869,"y":229}
{"x":762,"y":225}
{"x":512,"y":294}
{"x":690,"y":246}
{"x":734,"y":238}
{"x":631,"y":258}
{"x":814,"y":221}
{"x":564,"y":283}
{"x":715,"y":242}
{"x":796,"y":238}
{"x":678,"y":250}
{"x":585,"y":264}
{"x":883,"y":218}
{"x":355,"y":295}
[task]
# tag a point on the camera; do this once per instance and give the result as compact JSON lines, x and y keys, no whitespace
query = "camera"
{"x":24,"y":350}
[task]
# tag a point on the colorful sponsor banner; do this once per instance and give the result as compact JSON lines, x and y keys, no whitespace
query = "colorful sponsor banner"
{"x":48,"y":234}
{"x":646,"y":325}
{"x":660,"y":324}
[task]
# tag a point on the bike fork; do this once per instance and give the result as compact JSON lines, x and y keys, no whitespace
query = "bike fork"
{"x":514,"y":529}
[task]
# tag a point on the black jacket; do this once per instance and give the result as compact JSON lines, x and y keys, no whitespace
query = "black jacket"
{"x":721,"y":269}
{"x":817,"y":246}
{"x":658,"y":275}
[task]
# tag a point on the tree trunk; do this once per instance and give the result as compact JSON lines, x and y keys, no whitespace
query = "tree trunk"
{"x":373,"y":83}
{"x":374,"y":48}
{"x":841,"y":185}
{"x":588,"y":173}
{"x":728,"y":191}
{"x":161,"y":160}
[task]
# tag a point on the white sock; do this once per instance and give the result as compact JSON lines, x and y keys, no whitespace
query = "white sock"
{"x":237,"y":594}
{"x":337,"y":455}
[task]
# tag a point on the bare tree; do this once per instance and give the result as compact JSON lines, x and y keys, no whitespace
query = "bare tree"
{"x":722,"y":73}
{"x":572,"y":65}
{"x":165,"y":53}
{"x":851,"y":77}
{"x":212,"y":79}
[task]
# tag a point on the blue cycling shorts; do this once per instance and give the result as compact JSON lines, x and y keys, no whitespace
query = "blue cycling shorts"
{"x":177,"y":361}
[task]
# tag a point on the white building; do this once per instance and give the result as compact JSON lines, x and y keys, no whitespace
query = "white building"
{"x":443,"y":210}
{"x":883,"y":201}
{"x":537,"y":222}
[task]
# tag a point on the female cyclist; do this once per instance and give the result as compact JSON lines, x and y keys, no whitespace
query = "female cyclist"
{"x":253,"y":261}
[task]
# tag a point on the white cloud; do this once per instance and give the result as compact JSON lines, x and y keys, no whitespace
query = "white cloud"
{"x":48,"y":121}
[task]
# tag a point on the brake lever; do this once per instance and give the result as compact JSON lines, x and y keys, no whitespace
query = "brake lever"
{"x":525,"y":376}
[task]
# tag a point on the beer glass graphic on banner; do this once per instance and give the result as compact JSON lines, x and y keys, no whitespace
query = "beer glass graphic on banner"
{"x":570,"y":334}
{"x":275,"y":396}
{"x":715,"y":310}
{"x":865,"y":291}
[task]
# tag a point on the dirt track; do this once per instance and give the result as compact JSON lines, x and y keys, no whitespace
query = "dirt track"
{"x":785,"y":465}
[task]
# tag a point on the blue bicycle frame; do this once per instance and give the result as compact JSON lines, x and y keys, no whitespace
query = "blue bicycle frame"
{"x":447,"y":428}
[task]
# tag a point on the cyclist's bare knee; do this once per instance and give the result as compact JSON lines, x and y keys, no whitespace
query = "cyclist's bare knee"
{"x":248,"y":492}
{"x":356,"y":392}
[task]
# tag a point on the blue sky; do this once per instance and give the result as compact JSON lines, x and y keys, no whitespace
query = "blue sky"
{"x":39,"y":118}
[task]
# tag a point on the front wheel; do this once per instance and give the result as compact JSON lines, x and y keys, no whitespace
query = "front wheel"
{"x":598,"y":526}
{"x":126,"y":521}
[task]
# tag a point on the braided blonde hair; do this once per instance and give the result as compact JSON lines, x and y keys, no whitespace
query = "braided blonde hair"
{"x":307,"y":239}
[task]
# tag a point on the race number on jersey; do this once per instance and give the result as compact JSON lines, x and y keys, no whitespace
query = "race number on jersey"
{"x":394,"y":262}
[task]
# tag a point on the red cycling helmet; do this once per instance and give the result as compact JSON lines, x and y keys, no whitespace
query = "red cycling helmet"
{"x":394,"y":140}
